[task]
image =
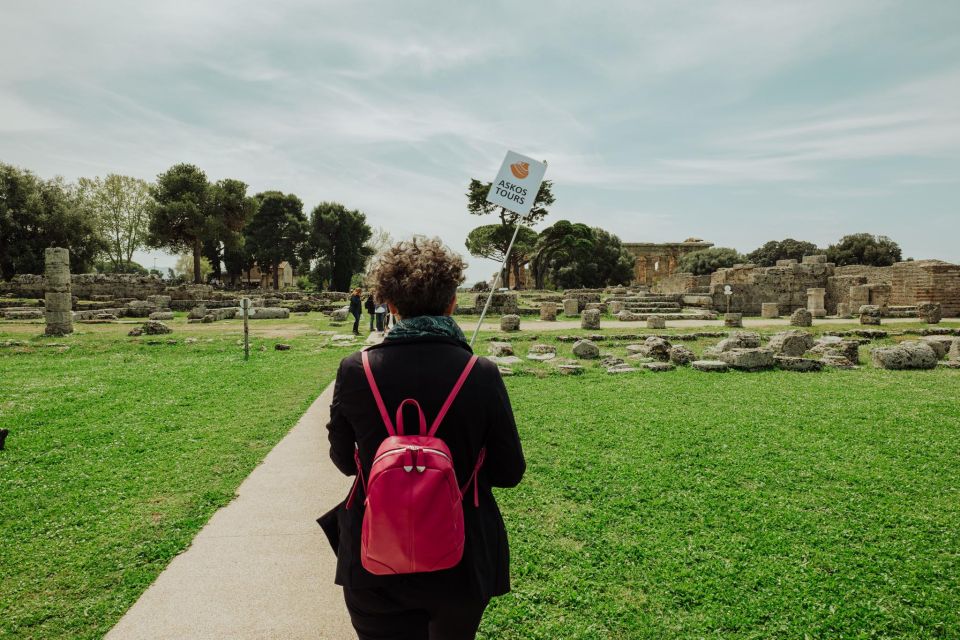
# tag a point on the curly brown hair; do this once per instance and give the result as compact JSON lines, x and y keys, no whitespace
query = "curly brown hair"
{"x":418,"y":276}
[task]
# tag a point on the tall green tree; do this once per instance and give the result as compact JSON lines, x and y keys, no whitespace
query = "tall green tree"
{"x":477,"y":205}
{"x":338,"y":242}
{"x":596,"y":258}
{"x":788,"y":249}
{"x":230,"y":210}
{"x":36,"y":214}
{"x":864,"y":248}
{"x":709,"y":260}
{"x":563,"y":235}
{"x":122,"y":206}
{"x":492,"y":240}
{"x":277,"y":232}
{"x":180,"y":221}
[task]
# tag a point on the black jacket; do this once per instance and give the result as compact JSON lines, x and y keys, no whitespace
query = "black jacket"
{"x":425,"y":369}
{"x":355,"y":305}
{"x":370,"y":305}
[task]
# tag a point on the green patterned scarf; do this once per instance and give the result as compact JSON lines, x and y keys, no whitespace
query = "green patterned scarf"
{"x":421,"y":326}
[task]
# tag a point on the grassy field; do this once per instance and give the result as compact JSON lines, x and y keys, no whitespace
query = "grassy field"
{"x":764,"y":505}
{"x":656,"y":505}
{"x":120,"y":450}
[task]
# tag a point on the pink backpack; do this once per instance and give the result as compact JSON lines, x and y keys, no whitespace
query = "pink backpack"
{"x":413,"y":518}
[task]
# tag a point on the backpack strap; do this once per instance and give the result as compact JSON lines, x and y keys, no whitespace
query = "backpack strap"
{"x":474,"y":480}
{"x":376,"y":393}
{"x":360,"y":481}
{"x":452,"y":396}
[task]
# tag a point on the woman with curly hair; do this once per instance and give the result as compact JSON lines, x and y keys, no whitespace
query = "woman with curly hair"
{"x":423,"y":357}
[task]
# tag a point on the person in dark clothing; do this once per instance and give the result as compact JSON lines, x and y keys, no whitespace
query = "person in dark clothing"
{"x":381,"y":312}
{"x":421,"y":358}
{"x":371,"y":308}
{"x":355,"y":310}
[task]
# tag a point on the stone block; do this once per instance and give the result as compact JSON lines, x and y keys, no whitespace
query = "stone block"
{"x":843,"y":310}
{"x":155,"y":328}
{"x":737,"y":340}
{"x":710,"y":365}
{"x":954,"y":352}
{"x":941,"y":344}
{"x":548,"y":311}
{"x":733,"y":319}
{"x":270,"y":313}
{"x":681,"y":355}
{"x":586,"y":349}
{"x":748,"y":359}
{"x":590,"y":319}
{"x":791,"y":343}
{"x":571,"y":307}
{"x":818,"y":259}
{"x":929,"y":312}
{"x":769,"y":310}
{"x":500,"y":349}
{"x":792,"y":363}
{"x":615,"y":306}
{"x":656,"y":322}
{"x":870,"y":314}
{"x":801,"y":318}
{"x":906,"y":355}
{"x":510,"y":322}
{"x":161,"y":315}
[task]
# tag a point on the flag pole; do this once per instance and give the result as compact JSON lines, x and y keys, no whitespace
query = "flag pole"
{"x":496,"y":282}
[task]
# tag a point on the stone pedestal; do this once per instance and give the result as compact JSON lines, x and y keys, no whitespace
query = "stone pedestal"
{"x":58,"y":301}
{"x":815,"y":302}
{"x":615,"y":306}
{"x":571,"y":307}
{"x":590,"y":319}
{"x":656,"y":322}
{"x":510,"y":322}
{"x":733,"y":320}
{"x":769,"y":310}
{"x":843,"y":310}
{"x":548,"y":311}
{"x":929,"y":312}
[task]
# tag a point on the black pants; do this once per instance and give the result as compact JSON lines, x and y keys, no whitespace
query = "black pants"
{"x":411,"y":614}
{"x":356,"y":322}
{"x":371,"y":321}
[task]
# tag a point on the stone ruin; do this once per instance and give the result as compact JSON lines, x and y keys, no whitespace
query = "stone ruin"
{"x":900,"y":290}
{"x":58,"y":299}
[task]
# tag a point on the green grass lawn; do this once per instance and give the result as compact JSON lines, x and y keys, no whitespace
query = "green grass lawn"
{"x":747,"y":505}
{"x":120,"y":451}
{"x":656,"y":505}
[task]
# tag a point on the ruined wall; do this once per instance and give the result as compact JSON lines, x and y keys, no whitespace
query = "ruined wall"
{"x":786,"y":284}
{"x":682,"y":283}
{"x":88,"y":285}
{"x":910,"y":283}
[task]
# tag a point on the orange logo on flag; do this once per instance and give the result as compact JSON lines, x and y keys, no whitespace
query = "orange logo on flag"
{"x":520,"y":169}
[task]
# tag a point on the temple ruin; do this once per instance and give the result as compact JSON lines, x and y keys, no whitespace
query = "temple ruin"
{"x":656,"y":261}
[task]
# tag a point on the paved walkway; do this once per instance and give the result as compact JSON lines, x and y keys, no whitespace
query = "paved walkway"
{"x":261,"y":568}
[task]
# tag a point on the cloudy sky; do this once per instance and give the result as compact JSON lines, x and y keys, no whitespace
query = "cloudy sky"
{"x":736,"y":122}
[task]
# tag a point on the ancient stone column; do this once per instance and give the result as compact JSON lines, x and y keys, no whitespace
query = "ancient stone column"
{"x":58,"y":301}
{"x":571,"y":307}
{"x":590,"y":319}
{"x":815,"y":302}
{"x":769,"y":310}
{"x":548,"y":311}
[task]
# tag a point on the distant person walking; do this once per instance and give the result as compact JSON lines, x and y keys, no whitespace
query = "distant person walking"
{"x":355,"y":309}
{"x":381,"y":312}
{"x":424,"y":568}
{"x":371,"y":307}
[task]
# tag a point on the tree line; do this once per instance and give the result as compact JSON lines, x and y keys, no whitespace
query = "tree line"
{"x":103,"y":221}
{"x":856,"y":248}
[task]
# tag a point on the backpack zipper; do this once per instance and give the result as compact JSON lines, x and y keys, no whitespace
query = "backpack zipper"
{"x":393,"y":452}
